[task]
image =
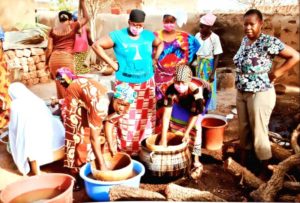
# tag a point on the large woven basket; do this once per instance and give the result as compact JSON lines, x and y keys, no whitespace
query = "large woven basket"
{"x":166,"y":163}
{"x":174,"y":142}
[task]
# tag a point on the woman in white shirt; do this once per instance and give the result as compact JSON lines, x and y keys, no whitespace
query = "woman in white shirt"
{"x":208,"y":56}
{"x":34,"y":133}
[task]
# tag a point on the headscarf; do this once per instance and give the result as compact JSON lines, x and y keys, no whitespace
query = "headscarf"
{"x":2,"y":34}
{"x":180,"y":15}
{"x":125,"y":92}
{"x":66,"y":74}
{"x":137,"y":16}
{"x":183,"y":74}
{"x":208,"y":19}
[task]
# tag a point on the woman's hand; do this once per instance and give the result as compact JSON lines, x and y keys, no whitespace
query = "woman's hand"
{"x":154,"y":62}
{"x":54,"y":101}
{"x":272,"y":77}
{"x":163,"y":142}
{"x":115,"y":66}
{"x":112,"y":149}
{"x":211,"y":77}
{"x":186,"y":138}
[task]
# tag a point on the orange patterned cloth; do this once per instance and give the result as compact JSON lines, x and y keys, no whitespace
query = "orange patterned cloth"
{"x":85,"y":106}
{"x":57,"y":60}
{"x":4,"y":97}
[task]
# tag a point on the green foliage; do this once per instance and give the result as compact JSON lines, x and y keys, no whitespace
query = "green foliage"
{"x":67,"y":5}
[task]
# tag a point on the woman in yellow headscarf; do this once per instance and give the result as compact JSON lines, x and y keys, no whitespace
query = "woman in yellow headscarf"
{"x":4,"y":83}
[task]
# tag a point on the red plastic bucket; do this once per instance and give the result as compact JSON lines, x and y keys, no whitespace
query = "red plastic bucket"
{"x":50,"y":188}
{"x":213,"y":127}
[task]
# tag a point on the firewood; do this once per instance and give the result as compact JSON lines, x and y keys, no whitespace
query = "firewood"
{"x":237,"y":170}
{"x":287,"y":198}
{"x":279,"y":153}
{"x":216,"y":154}
{"x":267,"y":191}
{"x":121,"y":192}
{"x":291,"y":185}
{"x":297,"y":198}
{"x":178,"y":193}
{"x":295,"y":138}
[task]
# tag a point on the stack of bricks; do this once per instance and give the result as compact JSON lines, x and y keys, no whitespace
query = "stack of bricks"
{"x":30,"y":64}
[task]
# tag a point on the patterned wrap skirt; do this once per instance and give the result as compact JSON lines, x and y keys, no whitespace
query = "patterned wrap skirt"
{"x":77,"y":141}
{"x":139,"y":122}
{"x":178,"y":125}
{"x":203,"y":71}
{"x":79,"y":63}
{"x":57,"y":60}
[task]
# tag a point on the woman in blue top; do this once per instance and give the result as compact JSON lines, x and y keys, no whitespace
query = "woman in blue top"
{"x":256,"y":95}
{"x":133,"y":49}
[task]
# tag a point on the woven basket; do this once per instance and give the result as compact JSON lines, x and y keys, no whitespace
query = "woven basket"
{"x":174,"y":142}
{"x":173,"y":163}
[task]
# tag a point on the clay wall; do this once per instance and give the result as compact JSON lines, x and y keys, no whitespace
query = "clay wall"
{"x":14,"y":11}
{"x":228,"y":26}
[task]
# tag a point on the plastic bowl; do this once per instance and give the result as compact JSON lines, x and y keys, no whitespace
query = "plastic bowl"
{"x":120,"y":168}
{"x":99,"y":190}
{"x":40,"y":188}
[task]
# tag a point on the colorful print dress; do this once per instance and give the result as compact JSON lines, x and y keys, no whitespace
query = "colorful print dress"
{"x":135,"y":68}
{"x":179,"y":51}
{"x":85,"y":106}
{"x":253,"y":63}
{"x":184,"y":107}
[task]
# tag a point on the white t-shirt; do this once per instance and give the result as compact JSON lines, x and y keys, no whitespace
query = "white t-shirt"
{"x":210,"y":46}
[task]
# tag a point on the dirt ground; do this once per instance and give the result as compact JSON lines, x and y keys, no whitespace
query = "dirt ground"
{"x":214,"y":179}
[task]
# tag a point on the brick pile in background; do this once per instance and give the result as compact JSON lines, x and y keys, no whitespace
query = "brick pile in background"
{"x":28,"y":65}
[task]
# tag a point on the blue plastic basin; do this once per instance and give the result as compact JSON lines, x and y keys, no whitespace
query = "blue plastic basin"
{"x":99,"y":190}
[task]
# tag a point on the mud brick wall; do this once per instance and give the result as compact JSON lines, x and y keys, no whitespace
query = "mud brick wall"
{"x":28,"y":65}
{"x":15,"y":11}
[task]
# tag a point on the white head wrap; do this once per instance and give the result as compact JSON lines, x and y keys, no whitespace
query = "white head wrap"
{"x":208,"y":19}
{"x":180,"y":15}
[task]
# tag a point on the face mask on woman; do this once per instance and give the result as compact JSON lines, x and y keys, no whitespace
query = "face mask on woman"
{"x":135,"y":31}
{"x":169,"y":26}
{"x":181,"y":88}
